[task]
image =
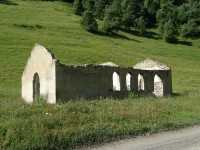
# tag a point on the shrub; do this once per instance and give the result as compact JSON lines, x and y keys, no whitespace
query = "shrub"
{"x":89,"y":22}
{"x":112,"y":20}
{"x":141,"y":25}
{"x":191,"y":29}
{"x":78,"y":7}
{"x":170,"y":32}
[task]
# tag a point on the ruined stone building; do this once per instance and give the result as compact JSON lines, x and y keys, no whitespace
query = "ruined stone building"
{"x":44,"y":76}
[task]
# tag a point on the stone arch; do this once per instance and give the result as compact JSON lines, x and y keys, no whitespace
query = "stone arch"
{"x":140,"y":82}
{"x":36,"y":86}
{"x":158,"y":86}
{"x":128,"y":81}
{"x":116,"y":82}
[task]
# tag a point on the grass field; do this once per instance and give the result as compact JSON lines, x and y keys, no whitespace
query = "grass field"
{"x":62,"y":126}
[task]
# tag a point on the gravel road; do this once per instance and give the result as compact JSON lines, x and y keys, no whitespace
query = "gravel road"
{"x":184,"y":139}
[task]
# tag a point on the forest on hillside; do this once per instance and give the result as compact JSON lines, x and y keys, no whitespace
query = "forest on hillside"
{"x":173,"y":18}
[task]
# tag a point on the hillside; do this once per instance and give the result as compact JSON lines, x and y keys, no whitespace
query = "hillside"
{"x":53,"y":24}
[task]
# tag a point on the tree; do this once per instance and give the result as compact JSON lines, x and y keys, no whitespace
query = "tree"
{"x":170,"y":32}
{"x":131,"y":11}
{"x":183,"y":14}
{"x":151,"y":7}
{"x":168,"y":22}
{"x":112,"y":20}
{"x":78,"y":7}
{"x":100,"y":6}
{"x":141,"y":27}
{"x":189,"y":18}
{"x":178,"y":2}
{"x":173,"y":17}
{"x":89,"y":5}
{"x":191,"y":29}
{"x":89,"y":22}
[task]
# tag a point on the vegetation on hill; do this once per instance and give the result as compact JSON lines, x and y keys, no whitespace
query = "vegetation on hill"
{"x":173,"y":18}
{"x":63,"y":126}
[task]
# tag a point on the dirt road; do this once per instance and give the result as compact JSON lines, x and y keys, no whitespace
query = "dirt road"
{"x":185,"y":139}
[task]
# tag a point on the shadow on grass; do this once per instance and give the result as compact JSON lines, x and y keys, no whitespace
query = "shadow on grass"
{"x":116,"y":36}
{"x":156,"y":36}
{"x":147,"y":34}
{"x":176,"y":94}
{"x":187,"y":43}
{"x":181,"y":42}
{"x":28,"y":27}
{"x":187,"y":93}
{"x":7,"y":2}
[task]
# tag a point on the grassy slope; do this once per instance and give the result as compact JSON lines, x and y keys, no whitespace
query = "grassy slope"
{"x":54,"y":25}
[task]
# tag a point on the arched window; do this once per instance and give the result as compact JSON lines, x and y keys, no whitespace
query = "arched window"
{"x":36,"y":87}
{"x":116,"y":82}
{"x":158,"y":86}
{"x":128,"y":81}
{"x":140,"y":83}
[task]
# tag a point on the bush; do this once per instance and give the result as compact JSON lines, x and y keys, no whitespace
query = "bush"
{"x":112,"y":20}
{"x":78,"y":7}
{"x":100,"y":6}
{"x":89,"y":22}
{"x":131,"y":12}
{"x":170,"y":32}
{"x":191,"y":29}
{"x":141,"y":25}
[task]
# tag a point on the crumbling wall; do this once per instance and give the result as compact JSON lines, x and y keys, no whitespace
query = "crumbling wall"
{"x":42,"y":63}
{"x":88,"y":81}
{"x":158,"y":86}
{"x":94,"y":81}
{"x":148,"y":75}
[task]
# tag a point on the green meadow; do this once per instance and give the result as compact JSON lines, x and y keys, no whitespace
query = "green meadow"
{"x":75,"y":123}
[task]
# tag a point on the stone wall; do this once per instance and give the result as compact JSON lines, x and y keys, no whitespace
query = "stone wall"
{"x":88,"y":81}
{"x":42,"y":63}
{"x":148,"y":76}
{"x":92,"y":81}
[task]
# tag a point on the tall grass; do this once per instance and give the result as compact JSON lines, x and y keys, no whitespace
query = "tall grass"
{"x":78,"y":123}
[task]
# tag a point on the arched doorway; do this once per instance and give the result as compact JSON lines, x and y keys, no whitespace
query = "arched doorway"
{"x":128,"y":81}
{"x":116,"y":82}
{"x":36,"y":87}
{"x":158,"y":86}
{"x":140,"y":83}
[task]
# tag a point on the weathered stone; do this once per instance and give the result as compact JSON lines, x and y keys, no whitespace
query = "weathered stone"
{"x":43,"y":63}
{"x":149,"y":64}
{"x":155,"y":78}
